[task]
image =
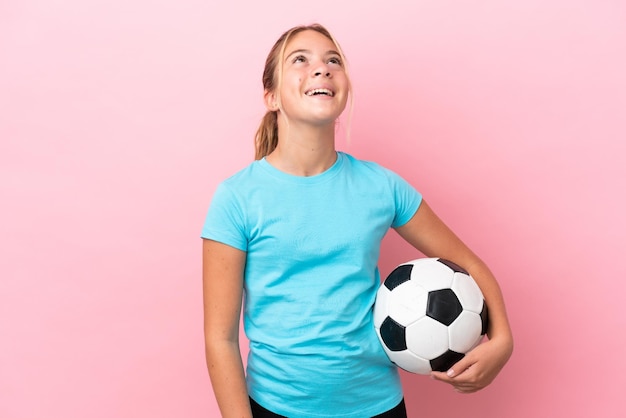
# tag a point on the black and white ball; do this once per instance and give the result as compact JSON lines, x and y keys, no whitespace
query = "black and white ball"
{"x":428,"y":313}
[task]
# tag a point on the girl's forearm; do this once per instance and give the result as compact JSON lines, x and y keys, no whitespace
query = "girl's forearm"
{"x":498,"y":321}
{"x":228,"y":378}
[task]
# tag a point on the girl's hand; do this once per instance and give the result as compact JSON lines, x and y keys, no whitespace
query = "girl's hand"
{"x":478,"y":368}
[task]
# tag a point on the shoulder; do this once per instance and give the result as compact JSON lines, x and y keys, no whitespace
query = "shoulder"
{"x":243,"y":174}
{"x":244,"y":179}
{"x":232,"y":189}
{"x":361,"y":164}
{"x":375,"y":173}
{"x":369,"y":167}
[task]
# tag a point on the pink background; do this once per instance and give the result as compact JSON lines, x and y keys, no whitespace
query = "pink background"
{"x":118,"y":119}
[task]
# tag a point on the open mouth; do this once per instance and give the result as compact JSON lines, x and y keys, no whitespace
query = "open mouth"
{"x":320,"y":92}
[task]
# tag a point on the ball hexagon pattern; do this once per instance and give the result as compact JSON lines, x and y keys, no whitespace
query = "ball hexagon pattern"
{"x":428,"y":313}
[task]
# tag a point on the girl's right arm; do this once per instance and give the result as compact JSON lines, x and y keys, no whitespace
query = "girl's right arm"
{"x":222,"y":276}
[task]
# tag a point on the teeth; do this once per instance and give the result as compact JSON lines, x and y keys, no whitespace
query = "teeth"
{"x":320,"y":91}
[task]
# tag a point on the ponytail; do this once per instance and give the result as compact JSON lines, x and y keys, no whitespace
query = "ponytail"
{"x":266,"y":138}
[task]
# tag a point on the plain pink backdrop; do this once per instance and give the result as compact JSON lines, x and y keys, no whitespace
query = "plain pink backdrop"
{"x":119,"y":118}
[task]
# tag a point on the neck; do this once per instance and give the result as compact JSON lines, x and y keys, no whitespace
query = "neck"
{"x":304,"y":150}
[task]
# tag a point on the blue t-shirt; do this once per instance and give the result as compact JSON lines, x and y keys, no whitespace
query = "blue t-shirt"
{"x":312,"y":246}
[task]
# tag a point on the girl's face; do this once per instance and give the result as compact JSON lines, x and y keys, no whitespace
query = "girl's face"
{"x":314,"y":86}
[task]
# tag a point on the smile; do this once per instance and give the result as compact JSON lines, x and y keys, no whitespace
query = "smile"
{"x":318,"y":92}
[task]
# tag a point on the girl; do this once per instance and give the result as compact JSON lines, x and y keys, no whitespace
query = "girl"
{"x":298,"y":233}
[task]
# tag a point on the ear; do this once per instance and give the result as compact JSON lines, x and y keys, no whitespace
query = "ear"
{"x":271,"y":100}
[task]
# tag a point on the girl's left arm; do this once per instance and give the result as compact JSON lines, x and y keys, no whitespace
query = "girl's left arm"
{"x":427,"y":233}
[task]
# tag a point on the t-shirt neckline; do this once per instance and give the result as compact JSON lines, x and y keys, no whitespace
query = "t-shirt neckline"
{"x":326,"y":175}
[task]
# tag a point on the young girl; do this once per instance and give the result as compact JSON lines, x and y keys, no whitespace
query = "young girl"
{"x":298,"y":233}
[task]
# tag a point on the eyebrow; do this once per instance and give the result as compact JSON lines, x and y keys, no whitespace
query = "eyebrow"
{"x":307,"y":51}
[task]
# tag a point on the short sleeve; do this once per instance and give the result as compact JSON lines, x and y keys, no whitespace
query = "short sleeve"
{"x":407,"y":199}
{"x":225,"y":220}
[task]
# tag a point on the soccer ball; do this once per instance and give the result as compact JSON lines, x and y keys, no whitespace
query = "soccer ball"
{"x":428,"y":313}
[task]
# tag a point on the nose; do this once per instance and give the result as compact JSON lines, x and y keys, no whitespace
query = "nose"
{"x":321,"y":70}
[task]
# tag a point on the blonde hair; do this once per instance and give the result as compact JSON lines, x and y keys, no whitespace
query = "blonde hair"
{"x":266,"y":138}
